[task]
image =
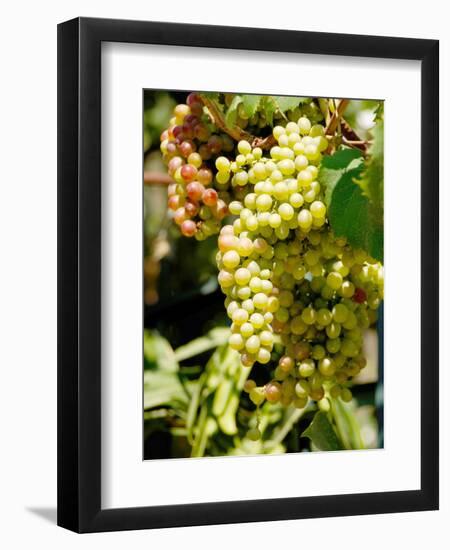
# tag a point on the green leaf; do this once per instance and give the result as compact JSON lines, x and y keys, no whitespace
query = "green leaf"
{"x":221,"y":396}
{"x":227,"y":420}
{"x":341,"y":160}
{"x":238,"y":374}
{"x":352,"y":213}
{"x":158,"y":353}
{"x":354,"y":217}
{"x":231,"y":114}
{"x":250,"y":104}
{"x":201,"y":436}
{"x":227,"y":362}
{"x":162,"y":388}
{"x":346,"y":423}
{"x":288,"y":103}
{"x":214,"y":338}
{"x":205,"y":429}
{"x":268,"y":107}
{"x":334,"y":166}
{"x":215,"y":368}
{"x":322,"y":434}
{"x":379,"y":111}
{"x":372,"y":179}
{"x":193,"y":407}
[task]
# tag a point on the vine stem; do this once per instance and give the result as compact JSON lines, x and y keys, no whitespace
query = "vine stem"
{"x":336,"y":117}
{"x":157,"y":178}
{"x":361,"y":144}
{"x":235,"y":131}
{"x":219,"y":120}
{"x":351,"y":138}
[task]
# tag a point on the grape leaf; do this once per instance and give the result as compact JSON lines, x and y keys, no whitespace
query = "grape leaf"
{"x":231,"y":114}
{"x":158,"y":353}
{"x":379,"y":112}
{"x":287,"y":103}
{"x":250,"y":103}
{"x":268,"y":107}
{"x":162,"y":388}
{"x":334,"y":166}
{"x":215,"y":337}
{"x":372,"y":179}
{"x":353,"y":216}
{"x":351,"y":212}
{"x":322,"y":434}
{"x":341,"y":159}
{"x":347,"y":424}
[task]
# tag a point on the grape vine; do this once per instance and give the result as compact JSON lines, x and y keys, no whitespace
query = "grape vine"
{"x":299,"y":295}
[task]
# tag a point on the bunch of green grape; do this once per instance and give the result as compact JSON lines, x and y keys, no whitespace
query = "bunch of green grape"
{"x":289,"y":281}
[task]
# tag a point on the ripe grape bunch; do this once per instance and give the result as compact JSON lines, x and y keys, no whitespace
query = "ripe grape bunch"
{"x":187,"y":146}
{"x":290,"y":283}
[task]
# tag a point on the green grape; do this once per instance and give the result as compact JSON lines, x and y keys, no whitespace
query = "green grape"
{"x":247,"y":330}
{"x":318,"y":209}
{"x":260,"y":300}
{"x":323,"y":317}
{"x":309,"y":315}
{"x":263,"y":356}
{"x":304,"y":125}
{"x":231,"y":259}
{"x":305,"y":219}
{"x":340,"y":313}
{"x":252,"y":344}
{"x":254,"y":434}
{"x":286,"y":211}
{"x":257,"y":395}
{"x":307,"y":368}
{"x":236,"y":342}
{"x":324,"y":404}
{"x":242,"y":276}
{"x":240,"y":316}
{"x":334,"y":280}
{"x":346,"y":395}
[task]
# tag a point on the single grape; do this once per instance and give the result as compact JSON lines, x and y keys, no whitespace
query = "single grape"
{"x":210,"y":197}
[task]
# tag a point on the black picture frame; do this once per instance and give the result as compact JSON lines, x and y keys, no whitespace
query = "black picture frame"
{"x":79,"y":274}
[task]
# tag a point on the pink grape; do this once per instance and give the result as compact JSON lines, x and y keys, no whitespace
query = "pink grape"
{"x":193,"y":97}
{"x":188,"y":228}
{"x":180,"y":215}
{"x":215,"y":144}
{"x":174,"y":202}
{"x":204,"y":176}
{"x":205,"y":151}
{"x":210,"y":197}
{"x":195,"y":191}
{"x":188,"y":172}
{"x":174,"y":164}
{"x":201,"y":132}
{"x":186,"y":148}
{"x":191,"y":209}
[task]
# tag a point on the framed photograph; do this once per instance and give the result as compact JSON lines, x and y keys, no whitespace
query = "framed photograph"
{"x":247,"y":275}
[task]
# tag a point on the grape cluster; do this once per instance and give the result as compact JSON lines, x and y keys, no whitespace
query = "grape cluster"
{"x":188,"y":146}
{"x":299,"y":298}
{"x":287,"y":278}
